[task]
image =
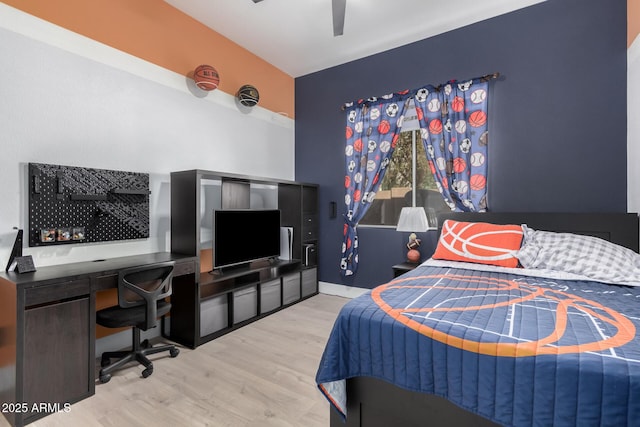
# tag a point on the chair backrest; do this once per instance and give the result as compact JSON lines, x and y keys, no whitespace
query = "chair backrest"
{"x":145,"y":285}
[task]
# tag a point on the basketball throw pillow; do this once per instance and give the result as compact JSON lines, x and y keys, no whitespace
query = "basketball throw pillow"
{"x":479,"y":242}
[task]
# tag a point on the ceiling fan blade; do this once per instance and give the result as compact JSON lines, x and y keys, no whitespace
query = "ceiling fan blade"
{"x":257,"y":1}
{"x":339,"y":7}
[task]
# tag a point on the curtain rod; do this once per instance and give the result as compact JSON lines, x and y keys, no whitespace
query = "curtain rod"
{"x":491,"y":76}
{"x":485,"y":78}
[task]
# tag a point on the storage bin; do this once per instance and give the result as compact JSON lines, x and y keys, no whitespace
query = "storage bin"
{"x":290,"y":288}
{"x":214,"y":315}
{"x":245,"y":304}
{"x":309,"y":282}
{"x":270,"y":296}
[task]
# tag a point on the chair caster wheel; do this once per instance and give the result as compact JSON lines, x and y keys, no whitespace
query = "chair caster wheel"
{"x":105,"y":378}
{"x":145,"y":344}
{"x":174,"y":352}
{"x":147,"y":372}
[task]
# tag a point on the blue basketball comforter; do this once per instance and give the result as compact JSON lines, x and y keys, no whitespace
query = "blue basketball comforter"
{"x":518,"y":350}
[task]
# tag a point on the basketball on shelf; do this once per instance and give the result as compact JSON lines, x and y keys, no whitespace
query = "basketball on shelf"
{"x":248,"y":96}
{"x":206,"y":77}
{"x":413,"y":256}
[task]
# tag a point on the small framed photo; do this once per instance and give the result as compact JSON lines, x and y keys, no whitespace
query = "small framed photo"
{"x":78,"y":233}
{"x":48,"y":235}
{"x":64,"y":234}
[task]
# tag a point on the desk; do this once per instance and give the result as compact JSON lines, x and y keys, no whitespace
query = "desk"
{"x":47,"y":331}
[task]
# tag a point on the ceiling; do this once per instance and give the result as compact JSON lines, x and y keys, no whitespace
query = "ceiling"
{"x":296,"y":36}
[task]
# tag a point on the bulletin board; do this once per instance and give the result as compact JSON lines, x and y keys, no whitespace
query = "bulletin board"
{"x":69,"y":204}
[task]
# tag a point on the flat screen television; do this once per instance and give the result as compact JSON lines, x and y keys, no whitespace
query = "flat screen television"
{"x":241,"y":236}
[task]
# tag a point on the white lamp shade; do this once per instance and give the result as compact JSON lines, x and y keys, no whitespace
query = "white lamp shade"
{"x":413,"y":220}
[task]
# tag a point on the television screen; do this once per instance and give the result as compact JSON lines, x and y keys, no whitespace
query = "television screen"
{"x":245,"y":235}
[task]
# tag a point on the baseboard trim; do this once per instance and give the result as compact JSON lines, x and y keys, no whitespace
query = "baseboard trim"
{"x":340,"y":290}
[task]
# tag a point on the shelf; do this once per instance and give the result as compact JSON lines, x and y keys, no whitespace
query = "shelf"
{"x":266,"y":269}
{"x":213,"y":284}
{"x":88,"y":197}
{"x":133,"y":192}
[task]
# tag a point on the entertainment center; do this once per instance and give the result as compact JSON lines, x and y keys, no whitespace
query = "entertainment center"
{"x":241,"y":277}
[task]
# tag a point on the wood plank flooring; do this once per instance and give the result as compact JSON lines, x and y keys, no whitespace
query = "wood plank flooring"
{"x":259,"y":375}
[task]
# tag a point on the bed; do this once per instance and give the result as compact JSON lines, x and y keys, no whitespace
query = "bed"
{"x":474,"y":344}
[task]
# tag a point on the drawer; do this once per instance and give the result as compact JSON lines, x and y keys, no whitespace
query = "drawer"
{"x":182,"y":268}
{"x":56,"y":292}
{"x":309,"y":227}
{"x":290,"y":288}
{"x":310,"y":220}
{"x":270,"y":296}
{"x":109,"y":281}
{"x":309,"y":234}
{"x":214,"y":315}
{"x":245,"y":304}
{"x":309,"y":282}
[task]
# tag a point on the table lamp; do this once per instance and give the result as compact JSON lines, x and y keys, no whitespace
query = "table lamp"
{"x":413,"y":219}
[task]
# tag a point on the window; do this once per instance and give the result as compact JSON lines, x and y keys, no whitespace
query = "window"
{"x":396,"y":190}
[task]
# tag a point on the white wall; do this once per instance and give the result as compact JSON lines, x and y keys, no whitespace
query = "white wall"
{"x":66,"y":99}
{"x":633,"y":120}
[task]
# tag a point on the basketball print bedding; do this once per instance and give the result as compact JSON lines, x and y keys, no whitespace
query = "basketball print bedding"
{"x":516,"y":346}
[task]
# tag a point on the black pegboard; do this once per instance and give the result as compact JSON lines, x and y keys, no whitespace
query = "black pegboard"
{"x":70,"y":204}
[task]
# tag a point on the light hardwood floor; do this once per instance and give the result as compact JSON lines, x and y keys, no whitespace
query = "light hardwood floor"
{"x":259,"y":375}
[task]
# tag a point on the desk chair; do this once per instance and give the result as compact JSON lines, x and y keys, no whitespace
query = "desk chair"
{"x":141,"y":300}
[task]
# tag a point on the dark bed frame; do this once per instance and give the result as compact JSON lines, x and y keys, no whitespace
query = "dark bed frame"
{"x":375,"y":403}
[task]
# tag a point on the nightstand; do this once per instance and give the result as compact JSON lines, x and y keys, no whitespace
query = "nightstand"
{"x":399,"y":269}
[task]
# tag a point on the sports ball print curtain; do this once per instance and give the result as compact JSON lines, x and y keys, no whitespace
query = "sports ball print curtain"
{"x":453,"y":125}
{"x":372,"y":133}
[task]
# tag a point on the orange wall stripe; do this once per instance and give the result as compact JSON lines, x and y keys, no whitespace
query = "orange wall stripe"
{"x":633,"y":20}
{"x":157,"y":32}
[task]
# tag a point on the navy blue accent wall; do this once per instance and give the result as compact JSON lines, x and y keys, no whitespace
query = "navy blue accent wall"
{"x":557,"y":121}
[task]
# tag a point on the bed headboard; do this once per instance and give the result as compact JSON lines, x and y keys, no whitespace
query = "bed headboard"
{"x":619,"y":228}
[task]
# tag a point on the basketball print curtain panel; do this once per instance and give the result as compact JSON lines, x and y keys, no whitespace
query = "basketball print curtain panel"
{"x":454,"y":126}
{"x":454,"y":131}
{"x":372,"y":134}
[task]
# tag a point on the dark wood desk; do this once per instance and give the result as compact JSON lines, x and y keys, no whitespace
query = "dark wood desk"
{"x":47,"y":331}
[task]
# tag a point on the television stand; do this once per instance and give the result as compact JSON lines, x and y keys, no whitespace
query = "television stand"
{"x":235,"y":296}
{"x":278,"y":265}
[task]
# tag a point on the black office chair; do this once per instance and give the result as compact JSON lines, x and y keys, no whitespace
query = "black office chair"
{"x":141,"y":300}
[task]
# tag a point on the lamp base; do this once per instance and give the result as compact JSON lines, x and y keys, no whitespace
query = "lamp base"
{"x":413,"y":255}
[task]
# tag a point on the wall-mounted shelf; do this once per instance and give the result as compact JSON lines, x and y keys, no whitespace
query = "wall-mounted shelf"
{"x":133,"y":192}
{"x":88,"y":197}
